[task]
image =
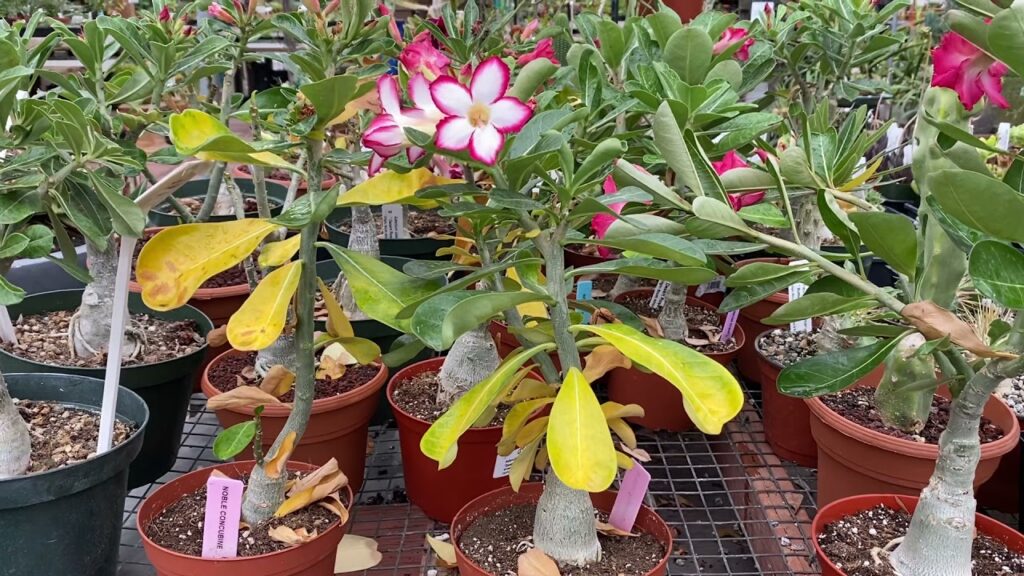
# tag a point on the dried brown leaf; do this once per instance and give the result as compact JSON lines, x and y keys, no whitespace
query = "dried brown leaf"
{"x":249,"y":373}
{"x":533,"y":562}
{"x":935,"y":322}
{"x":291,"y":537}
{"x":603,"y":316}
{"x":609,"y":530}
{"x":356,"y":554}
{"x":653,"y":327}
{"x":278,"y":381}
{"x":275,"y":466}
{"x":334,"y":504}
{"x":640,"y":454}
{"x":444,"y":550}
{"x":602,"y":360}
{"x":241,"y":397}
{"x":317,"y":477}
{"x":312,"y":489}
{"x":697,"y":341}
{"x":217,"y":337}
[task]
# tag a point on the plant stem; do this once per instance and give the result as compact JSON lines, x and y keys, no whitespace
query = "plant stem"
{"x":227,"y":92}
{"x":15,"y":442}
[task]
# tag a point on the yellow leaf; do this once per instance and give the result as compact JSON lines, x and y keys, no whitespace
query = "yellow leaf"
{"x":623,"y":431}
{"x":536,"y":563}
{"x":579,"y":443}
{"x":261,"y":318}
{"x":177,"y":260}
{"x":863,"y":177}
{"x":390,"y":187}
{"x":444,"y":550}
{"x":278,"y":381}
{"x":196,"y":133}
{"x":337,"y":320}
{"x":241,"y":397}
{"x":541,"y":461}
{"x":275,"y":466}
{"x":616,"y":410}
{"x":530,"y":309}
{"x":532,"y":431}
{"x":623,"y":461}
{"x":531,"y":388}
{"x":356,"y":554}
{"x":515,"y":420}
{"x":602,"y":360}
{"x":523,"y":465}
{"x":277,"y":253}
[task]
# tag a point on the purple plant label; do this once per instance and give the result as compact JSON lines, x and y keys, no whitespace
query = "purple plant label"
{"x":223,"y":513}
{"x":585,"y":291}
{"x":631,"y":496}
{"x":730,"y":325}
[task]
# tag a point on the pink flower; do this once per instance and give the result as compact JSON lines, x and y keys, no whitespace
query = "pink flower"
{"x":478,"y":118}
{"x":392,"y":24}
{"x":729,"y":38}
{"x":385,"y":135}
{"x":731,"y":161}
{"x":220,"y":13}
{"x":420,"y":56}
{"x":963,"y":67}
{"x":165,"y":14}
{"x":530,"y":29}
{"x":239,"y":9}
{"x":544,"y":49}
{"x":602,"y":221}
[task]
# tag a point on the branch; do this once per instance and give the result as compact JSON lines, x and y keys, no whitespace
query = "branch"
{"x":170,"y":183}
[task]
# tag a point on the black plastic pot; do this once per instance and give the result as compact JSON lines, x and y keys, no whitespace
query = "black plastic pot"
{"x":68,"y":521}
{"x":414,"y":248}
{"x":165,"y":386}
{"x":164,"y":215}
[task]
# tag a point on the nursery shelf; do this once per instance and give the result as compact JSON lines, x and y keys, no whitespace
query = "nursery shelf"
{"x":735,"y":508}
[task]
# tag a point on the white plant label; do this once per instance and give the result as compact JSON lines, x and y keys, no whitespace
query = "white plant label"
{"x":1003,"y":136}
{"x":893,"y":137}
{"x":394,"y":227}
{"x":908,"y":154}
{"x":717,"y":284}
{"x":759,"y":8}
{"x":797,"y":291}
{"x":503,"y":464}
{"x":660,"y":291}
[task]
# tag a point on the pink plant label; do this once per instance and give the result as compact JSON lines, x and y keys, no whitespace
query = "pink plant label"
{"x":730,"y":325}
{"x":223,"y":513}
{"x":631,"y":496}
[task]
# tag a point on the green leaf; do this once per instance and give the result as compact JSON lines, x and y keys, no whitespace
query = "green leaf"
{"x":403,"y":350}
{"x":683,"y":154}
{"x":1006,"y":37}
{"x":17,"y":205}
{"x":234,"y":440}
{"x":891,"y":237}
{"x":832,"y":372}
{"x":838,"y":223}
{"x":764,"y":213}
{"x":440,"y":443}
{"x":663,"y":246}
{"x":663,"y":25}
{"x":718,"y":212}
{"x":329,"y":97}
{"x":727,"y":70}
{"x":613,"y":45}
{"x":380,"y":290}
{"x":649,"y":268}
{"x":40,"y":241}
{"x":530,"y":77}
{"x":125,"y":215}
{"x":727,"y":247}
{"x":981,"y":202}
{"x":997,"y":271}
{"x":12,"y":245}
{"x":757,"y":272}
{"x":875,"y":331}
{"x":747,"y":180}
{"x":603,"y":154}
{"x":688,"y":53}
{"x":636,"y":224}
{"x":747,"y":295}
{"x":820,"y":304}
{"x":440,"y":320}
{"x":626,"y":174}
{"x":742,"y":130}
{"x":711,"y":395}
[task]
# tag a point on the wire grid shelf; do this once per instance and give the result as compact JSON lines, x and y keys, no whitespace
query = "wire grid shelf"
{"x":734,"y":508}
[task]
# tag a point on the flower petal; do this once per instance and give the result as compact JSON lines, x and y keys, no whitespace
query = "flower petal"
{"x":451,"y":97}
{"x":390,"y":100}
{"x":610,"y":187}
{"x":509,"y":115}
{"x":992,"y":84}
{"x":419,"y":91}
{"x":485,"y":145}
{"x":376,"y":163}
{"x":730,"y":161}
{"x":490,"y":81}
{"x":454,"y":133}
{"x":414,"y":153}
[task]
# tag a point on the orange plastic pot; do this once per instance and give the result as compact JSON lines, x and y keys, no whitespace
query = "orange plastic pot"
{"x":687,"y":9}
{"x":441,"y":493}
{"x":329,"y":180}
{"x":338,"y":427}
{"x":662,"y":402}
{"x":851,"y":505}
{"x":314,"y":558}
{"x":854,"y":460}
{"x":579,"y":260}
{"x":1002,"y":491}
{"x":750,"y":319}
{"x":787,"y":421}
{"x":647,"y":521}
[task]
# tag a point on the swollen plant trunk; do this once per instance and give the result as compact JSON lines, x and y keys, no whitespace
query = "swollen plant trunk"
{"x":810,"y":227}
{"x":15,"y":443}
{"x":363,"y":239}
{"x":904,"y":396}
{"x":673,"y":314}
{"x":473,"y":358}
{"x":623,"y":284}
{"x":91,"y":332}
{"x":283,"y":351}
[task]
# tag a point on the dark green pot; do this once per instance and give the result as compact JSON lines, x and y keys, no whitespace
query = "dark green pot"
{"x":412,"y":248}
{"x":68,"y":521}
{"x":164,"y":215}
{"x":165,"y":387}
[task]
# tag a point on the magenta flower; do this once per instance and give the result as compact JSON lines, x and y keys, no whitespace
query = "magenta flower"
{"x":385,"y":135}
{"x":731,"y":161}
{"x":544,"y":49}
{"x":393,"y":31}
{"x":602,"y":221}
{"x":478,"y":118}
{"x":732,"y":36}
{"x":963,"y":67}
{"x":420,"y":57}
{"x":165,"y":14}
{"x":530,"y":29}
{"x":220,"y":13}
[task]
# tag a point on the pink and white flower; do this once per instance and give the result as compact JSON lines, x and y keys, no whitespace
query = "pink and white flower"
{"x":385,"y":135}
{"x":732,"y":36}
{"x":478,"y":118}
{"x":420,"y":57}
{"x":220,"y":13}
{"x":544,"y":49}
{"x":731,"y":161}
{"x":963,"y":67}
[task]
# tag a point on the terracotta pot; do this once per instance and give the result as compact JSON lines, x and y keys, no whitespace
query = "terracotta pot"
{"x":712,"y":298}
{"x":647,"y":521}
{"x":314,"y":558}
{"x":338,"y":427}
{"x":662,"y":402}
{"x":687,"y":9}
{"x":579,"y":259}
{"x":853,"y":504}
{"x":787,"y":421}
{"x":1002,"y":491}
{"x":750,"y":319}
{"x":328,"y":180}
{"x":441,"y":493}
{"x":854,"y":460}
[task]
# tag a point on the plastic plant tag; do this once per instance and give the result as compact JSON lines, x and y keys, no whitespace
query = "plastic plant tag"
{"x":717,"y":284}
{"x":223,"y":513}
{"x":758,"y":8}
{"x":7,"y":333}
{"x":660,"y":291}
{"x":730,"y":325}
{"x":893,"y":137}
{"x":630,"y":497}
{"x":115,"y":346}
{"x":1003,"y":136}
{"x":394,"y":227}
{"x":585,"y":291}
{"x":797,"y":291}
{"x":503,"y":464}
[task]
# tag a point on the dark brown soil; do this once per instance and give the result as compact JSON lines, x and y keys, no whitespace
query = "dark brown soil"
{"x":703,"y":324}
{"x":237,"y":370}
{"x":604,"y":284}
{"x":495,"y":542}
{"x":848,"y":544}
{"x":587,"y":250}
{"x":858,"y":405}
{"x":785,"y":348}
{"x":180,"y":527}
{"x":425,"y":224}
{"x":418,"y":397}
{"x":231,"y":277}
{"x":44,"y":338}
{"x":62,"y":435}
{"x":275,"y":174}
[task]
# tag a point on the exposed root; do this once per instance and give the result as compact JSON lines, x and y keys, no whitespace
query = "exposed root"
{"x":877,"y":553}
{"x":136,"y":340}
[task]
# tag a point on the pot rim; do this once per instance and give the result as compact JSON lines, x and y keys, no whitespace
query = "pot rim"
{"x":246,"y":464}
{"x":319,"y":406}
{"x":174,"y":213}
{"x":761,"y":355}
{"x":397,"y":377}
{"x":738,"y":334}
{"x":329,"y":178}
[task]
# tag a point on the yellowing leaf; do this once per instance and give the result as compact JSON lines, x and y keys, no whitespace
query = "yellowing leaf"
{"x":306,"y":494}
{"x":328,"y":470}
{"x":333,"y":503}
{"x":863,"y":177}
{"x":530,"y":309}
{"x":275,"y":466}
{"x":623,"y":431}
{"x":711,"y":395}
{"x":523,"y":465}
{"x":177,"y":260}
{"x":356,"y":554}
{"x":278,"y":381}
{"x":935,"y":323}
{"x":196,"y":133}
{"x":444,"y":550}
{"x":261,"y":318}
{"x":579,"y":444}
{"x":532,"y":431}
{"x":616,"y":410}
{"x":531,"y":388}
{"x":241,"y":397}
{"x":277,"y":253}
{"x":291,"y":537}
{"x":390,"y":187}
{"x":368,"y":101}
{"x":602,"y":360}
{"x":623,"y":461}
{"x":337,"y":320}
{"x":536,"y":563}
{"x":541,"y":461}
{"x":515,"y":420}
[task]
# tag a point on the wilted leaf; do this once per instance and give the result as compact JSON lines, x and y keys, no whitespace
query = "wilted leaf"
{"x":337,"y":321}
{"x":935,"y":323}
{"x":444,"y":550}
{"x":624,"y":461}
{"x":217,"y":337}
{"x":356,"y":554}
{"x":533,"y":562}
{"x":530,"y":389}
{"x":275,"y":466}
{"x":623,"y":431}
{"x":609,"y":530}
{"x":291,"y":537}
{"x":616,"y":410}
{"x":516,"y":419}
{"x":278,"y":381}
{"x":640,"y":454}
{"x":240,"y":398}
{"x":531,"y":432}
{"x":333,"y":362}
{"x":313,"y":488}
{"x":523,"y":465}
{"x":653,"y":327}
{"x":334,"y":504}
{"x":261,"y":318}
{"x":602,"y":360}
